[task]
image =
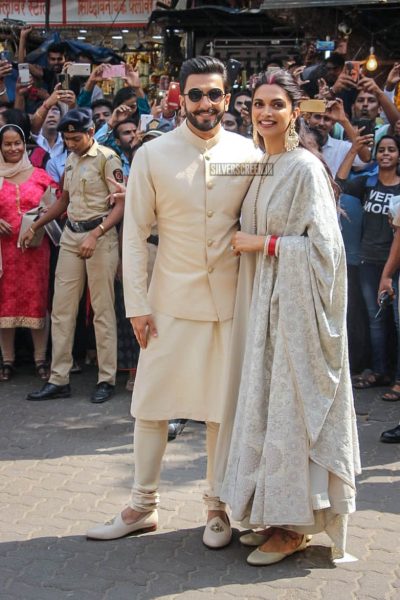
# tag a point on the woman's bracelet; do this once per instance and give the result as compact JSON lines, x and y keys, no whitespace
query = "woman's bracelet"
{"x":32,"y":230}
{"x":3,"y":92}
{"x":266,"y":243}
{"x":278,"y":243}
{"x":271,"y":245}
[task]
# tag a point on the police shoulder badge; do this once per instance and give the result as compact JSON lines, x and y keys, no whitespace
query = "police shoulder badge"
{"x":118,"y":175}
{"x":153,"y":124}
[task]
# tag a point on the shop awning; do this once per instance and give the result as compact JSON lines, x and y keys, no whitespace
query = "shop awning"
{"x":215,"y":20}
{"x":271,"y":4}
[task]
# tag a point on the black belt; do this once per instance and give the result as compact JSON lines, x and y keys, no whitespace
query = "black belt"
{"x":153,"y":239}
{"x":82,"y":226}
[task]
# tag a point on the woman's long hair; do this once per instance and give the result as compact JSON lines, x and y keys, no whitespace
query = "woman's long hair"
{"x":286,"y":81}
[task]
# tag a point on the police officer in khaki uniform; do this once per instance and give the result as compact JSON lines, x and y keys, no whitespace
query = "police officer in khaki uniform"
{"x":89,"y":248}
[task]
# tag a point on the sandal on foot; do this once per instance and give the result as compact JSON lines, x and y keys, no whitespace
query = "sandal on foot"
{"x":392,"y":395}
{"x":370,"y":380}
{"x":7,"y":371}
{"x":42,"y":371}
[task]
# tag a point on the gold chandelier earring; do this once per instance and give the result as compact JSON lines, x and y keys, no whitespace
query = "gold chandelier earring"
{"x":291,"y":137}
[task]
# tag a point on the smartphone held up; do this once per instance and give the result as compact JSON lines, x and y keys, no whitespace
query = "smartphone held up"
{"x":24,"y":74}
{"x":114,"y":71}
{"x":79,"y":69}
{"x":353,"y":69}
{"x":172,"y":97}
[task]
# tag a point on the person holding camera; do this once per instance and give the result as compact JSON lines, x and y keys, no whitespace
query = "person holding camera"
{"x":88,"y":249}
{"x":334,"y":151}
{"x":369,"y":102}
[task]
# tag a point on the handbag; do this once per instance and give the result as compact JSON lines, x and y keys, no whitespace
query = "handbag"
{"x":52,"y":228}
{"x":28,"y":219}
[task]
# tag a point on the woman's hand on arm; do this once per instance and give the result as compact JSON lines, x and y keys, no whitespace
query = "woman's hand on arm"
{"x":118,"y":192}
{"x":247,"y":242}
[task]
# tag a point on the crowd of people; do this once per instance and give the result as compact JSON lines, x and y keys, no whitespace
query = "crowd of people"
{"x":248,"y":329}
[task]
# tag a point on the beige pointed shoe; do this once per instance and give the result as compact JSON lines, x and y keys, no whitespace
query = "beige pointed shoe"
{"x":259,"y":558}
{"x":117,"y":528}
{"x":253,"y":539}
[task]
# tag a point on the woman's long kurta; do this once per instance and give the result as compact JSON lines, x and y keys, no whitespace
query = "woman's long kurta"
{"x":25,"y":280}
{"x":290,"y":454}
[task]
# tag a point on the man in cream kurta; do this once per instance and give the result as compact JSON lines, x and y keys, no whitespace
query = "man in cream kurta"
{"x":183,"y":321}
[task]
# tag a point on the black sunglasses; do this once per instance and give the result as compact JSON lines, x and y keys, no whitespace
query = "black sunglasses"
{"x":215,"y":95}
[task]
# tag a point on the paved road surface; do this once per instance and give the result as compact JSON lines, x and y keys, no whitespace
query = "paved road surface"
{"x":67,"y":464}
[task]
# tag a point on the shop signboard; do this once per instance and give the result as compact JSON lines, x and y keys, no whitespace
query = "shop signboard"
{"x":31,"y":11}
{"x":107,"y":12}
{"x":79,"y":12}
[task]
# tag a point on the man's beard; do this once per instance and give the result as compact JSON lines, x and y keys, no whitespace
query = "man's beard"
{"x":215,"y":118}
{"x":57,"y":69}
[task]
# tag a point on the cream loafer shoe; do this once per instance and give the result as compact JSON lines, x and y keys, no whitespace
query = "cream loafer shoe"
{"x":217,"y":533}
{"x":117,"y":528}
{"x":260,"y":558}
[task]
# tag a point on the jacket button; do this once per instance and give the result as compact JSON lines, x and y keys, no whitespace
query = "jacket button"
{"x":210,"y":213}
{"x":210,"y":242}
{"x":210,"y":184}
{"x":206,"y":157}
{"x":210,"y":269}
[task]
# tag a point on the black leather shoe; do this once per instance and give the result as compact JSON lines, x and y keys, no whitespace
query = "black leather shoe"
{"x":391,"y":436}
{"x":102,"y":393}
{"x":175,"y":427}
{"x":50,"y":391}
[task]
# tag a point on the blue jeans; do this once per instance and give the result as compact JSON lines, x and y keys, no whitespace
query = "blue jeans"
{"x":370,"y":275}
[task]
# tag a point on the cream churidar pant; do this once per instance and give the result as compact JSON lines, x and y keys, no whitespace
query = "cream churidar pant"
{"x":152,"y":436}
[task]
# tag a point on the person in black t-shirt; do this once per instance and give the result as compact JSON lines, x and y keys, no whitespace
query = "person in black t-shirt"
{"x":375,"y":193}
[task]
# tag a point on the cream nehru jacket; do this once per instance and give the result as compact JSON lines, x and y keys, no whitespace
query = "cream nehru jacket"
{"x":179,"y":182}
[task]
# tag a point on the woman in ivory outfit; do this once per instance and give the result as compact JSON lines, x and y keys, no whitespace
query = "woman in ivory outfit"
{"x":288,"y":450}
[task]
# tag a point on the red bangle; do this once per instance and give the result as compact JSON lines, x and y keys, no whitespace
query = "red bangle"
{"x":272,"y":244}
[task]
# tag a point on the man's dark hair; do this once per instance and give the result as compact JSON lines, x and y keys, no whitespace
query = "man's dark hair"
{"x":14,"y":116}
{"x":118,"y":125}
{"x":274,"y":60}
{"x":122,"y":95}
{"x":101,"y":102}
{"x":200,"y":66}
{"x":335,"y":59}
{"x":58,"y":47}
